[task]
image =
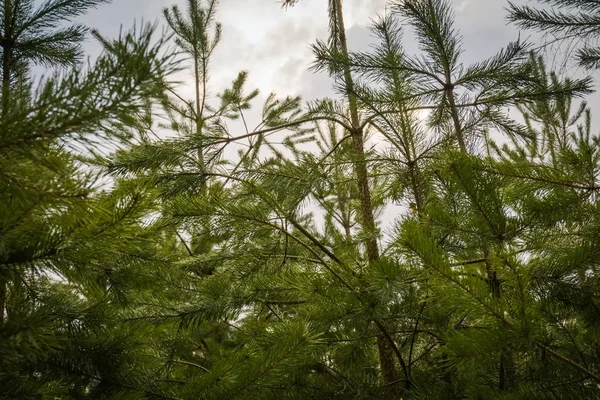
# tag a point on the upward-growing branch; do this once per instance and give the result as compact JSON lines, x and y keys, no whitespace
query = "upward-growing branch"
{"x":192,"y":36}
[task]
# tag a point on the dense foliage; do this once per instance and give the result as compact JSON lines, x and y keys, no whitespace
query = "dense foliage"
{"x":140,"y":259}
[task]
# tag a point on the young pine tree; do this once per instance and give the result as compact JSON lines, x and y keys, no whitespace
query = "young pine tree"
{"x":69,"y":255}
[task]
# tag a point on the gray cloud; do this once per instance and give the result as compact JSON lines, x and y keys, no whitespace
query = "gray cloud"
{"x":273,"y":44}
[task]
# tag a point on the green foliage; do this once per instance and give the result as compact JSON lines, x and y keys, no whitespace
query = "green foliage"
{"x":566,"y":20}
{"x":168,"y":266}
{"x":71,"y":256}
{"x":35,"y":35}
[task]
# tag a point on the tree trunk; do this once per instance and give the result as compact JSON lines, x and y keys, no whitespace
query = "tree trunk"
{"x":386,"y":354}
{"x":198,"y":119}
{"x":7,"y":43}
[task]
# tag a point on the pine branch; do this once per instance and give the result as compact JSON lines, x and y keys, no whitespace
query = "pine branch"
{"x":570,"y":362}
{"x":268,"y":368}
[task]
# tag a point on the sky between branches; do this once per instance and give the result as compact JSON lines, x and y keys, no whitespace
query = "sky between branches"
{"x":273,"y":43}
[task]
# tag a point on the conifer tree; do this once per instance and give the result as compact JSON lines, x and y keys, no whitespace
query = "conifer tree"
{"x":338,"y":43}
{"x":34,"y":36}
{"x":193,"y":38}
{"x":197,"y":335}
{"x":68,"y":253}
{"x":271,"y":274}
{"x":272,"y":305}
{"x":29,"y":36}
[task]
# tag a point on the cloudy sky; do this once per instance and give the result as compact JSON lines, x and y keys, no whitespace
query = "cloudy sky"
{"x":273,"y":43}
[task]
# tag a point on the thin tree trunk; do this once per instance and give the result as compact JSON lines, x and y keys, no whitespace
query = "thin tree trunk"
{"x":506,"y":373}
{"x":5,"y":96}
{"x":7,"y":43}
{"x":449,"y":89}
{"x":455,"y":118}
{"x":198,"y":119}
{"x":386,"y":355}
{"x":388,"y":366}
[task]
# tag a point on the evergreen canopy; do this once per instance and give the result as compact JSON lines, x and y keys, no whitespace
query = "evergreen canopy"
{"x":139,"y":259}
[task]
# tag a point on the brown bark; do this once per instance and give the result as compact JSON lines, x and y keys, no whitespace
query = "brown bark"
{"x":367,"y":220}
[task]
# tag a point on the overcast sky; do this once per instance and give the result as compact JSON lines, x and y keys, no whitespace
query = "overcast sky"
{"x":273,"y":43}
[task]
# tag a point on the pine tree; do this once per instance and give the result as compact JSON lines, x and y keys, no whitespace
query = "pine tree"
{"x":195,"y":332}
{"x":193,"y":38}
{"x":195,"y":274}
{"x":34,"y":36}
{"x":338,"y":43}
{"x":28,"y":36}
{"x":69,"y":253}
{"x":267,"y":302}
